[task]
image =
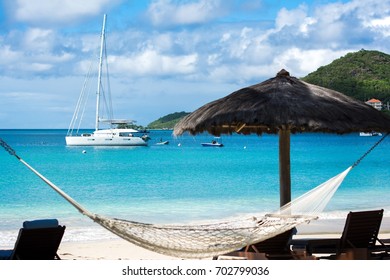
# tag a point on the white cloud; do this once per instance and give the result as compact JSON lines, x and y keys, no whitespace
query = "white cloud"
{"x":244,"y":44}
{"x":168,"y":12}
{"x":353,"y":22}
{"x":291,"y":17}
{"x":237,"y":43}
{"x":164,"y":42}
{"x":225,"y":37}
{"x":306,"y":25}
{"x":242,"y":74}
{"x":39,"y":40}
{"x":36,"y":67}
{"x":57,"y":10}
{"x":300,"y":62}
{"x":32,"y":51}
{"x":25,"y":96}
{"x":150,"y":62}
{"x":381,"y":22}
{"x":16,"y":63}
{"x":8,"y":56}
{"x":381,"y":25}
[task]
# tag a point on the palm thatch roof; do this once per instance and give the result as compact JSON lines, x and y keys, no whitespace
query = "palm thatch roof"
{"x":284,"y":102}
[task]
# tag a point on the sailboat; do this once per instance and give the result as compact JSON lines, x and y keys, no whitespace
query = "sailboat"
{"x":115,"y":134}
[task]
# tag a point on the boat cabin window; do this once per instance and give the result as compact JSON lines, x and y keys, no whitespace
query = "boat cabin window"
{"x":125,"y":134}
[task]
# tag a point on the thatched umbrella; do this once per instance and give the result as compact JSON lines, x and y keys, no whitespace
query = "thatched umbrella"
{"x":284,"y":105}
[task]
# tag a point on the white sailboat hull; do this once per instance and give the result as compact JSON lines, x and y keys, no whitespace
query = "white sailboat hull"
{"x":104,"y":141}
{"x":108,"y":137}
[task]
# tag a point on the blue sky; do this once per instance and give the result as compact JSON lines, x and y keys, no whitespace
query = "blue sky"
{"x":168,"y":55}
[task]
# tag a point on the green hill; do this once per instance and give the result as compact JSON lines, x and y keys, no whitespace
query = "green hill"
{"x":168,"y":121}
{"x":362,"y":75}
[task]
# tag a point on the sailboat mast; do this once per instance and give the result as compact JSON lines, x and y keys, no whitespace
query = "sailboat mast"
{"x":100,"y":73}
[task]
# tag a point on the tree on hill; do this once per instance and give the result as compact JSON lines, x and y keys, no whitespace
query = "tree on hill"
{"x":362,"y":75}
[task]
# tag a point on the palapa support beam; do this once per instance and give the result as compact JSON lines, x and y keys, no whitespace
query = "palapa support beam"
{"x":284,"y":166}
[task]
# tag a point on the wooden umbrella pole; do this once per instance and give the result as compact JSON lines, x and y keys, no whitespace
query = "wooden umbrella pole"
{"x":284,"y":166}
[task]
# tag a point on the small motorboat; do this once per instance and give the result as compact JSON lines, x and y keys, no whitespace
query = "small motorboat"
{"x":162,"y":142}
{"x":214,"y":143}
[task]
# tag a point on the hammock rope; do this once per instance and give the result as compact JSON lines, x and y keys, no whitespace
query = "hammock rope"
{"x":208,"y":240}
{"x":370,"y":150}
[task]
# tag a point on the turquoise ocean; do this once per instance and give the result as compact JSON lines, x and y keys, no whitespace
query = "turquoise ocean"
{"x":182,"y":182}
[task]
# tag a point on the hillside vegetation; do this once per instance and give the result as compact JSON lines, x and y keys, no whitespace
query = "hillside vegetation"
{"x":362,"y":75}
{"x":168,"y":121}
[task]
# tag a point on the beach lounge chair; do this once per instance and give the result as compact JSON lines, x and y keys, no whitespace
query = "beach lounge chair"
{"x":273,"y":248}
{"x":37,"y":240}
{"x":358,"y":240}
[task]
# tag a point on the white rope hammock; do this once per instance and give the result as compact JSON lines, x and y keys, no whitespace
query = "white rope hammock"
{"x":208,"y":240}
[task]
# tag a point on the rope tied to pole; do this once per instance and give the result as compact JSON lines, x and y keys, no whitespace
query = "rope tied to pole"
{"x":370,"y":150}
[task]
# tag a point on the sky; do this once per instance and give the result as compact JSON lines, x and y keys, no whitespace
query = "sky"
{"x":168,"y":56}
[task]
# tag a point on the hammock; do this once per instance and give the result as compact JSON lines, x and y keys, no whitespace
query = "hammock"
{"x":208,"y":240}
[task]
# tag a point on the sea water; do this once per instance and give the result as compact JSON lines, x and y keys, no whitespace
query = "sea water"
{"x":181,"y":182}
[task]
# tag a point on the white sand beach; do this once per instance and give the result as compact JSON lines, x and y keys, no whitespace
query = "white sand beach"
{"x":116,"y":249}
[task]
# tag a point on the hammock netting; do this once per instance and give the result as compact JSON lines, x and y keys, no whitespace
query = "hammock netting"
{"x":200,"y":241}
{"x":215,"y":238}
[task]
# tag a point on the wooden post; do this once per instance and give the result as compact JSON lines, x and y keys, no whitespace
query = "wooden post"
{"x":284,"y":166}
